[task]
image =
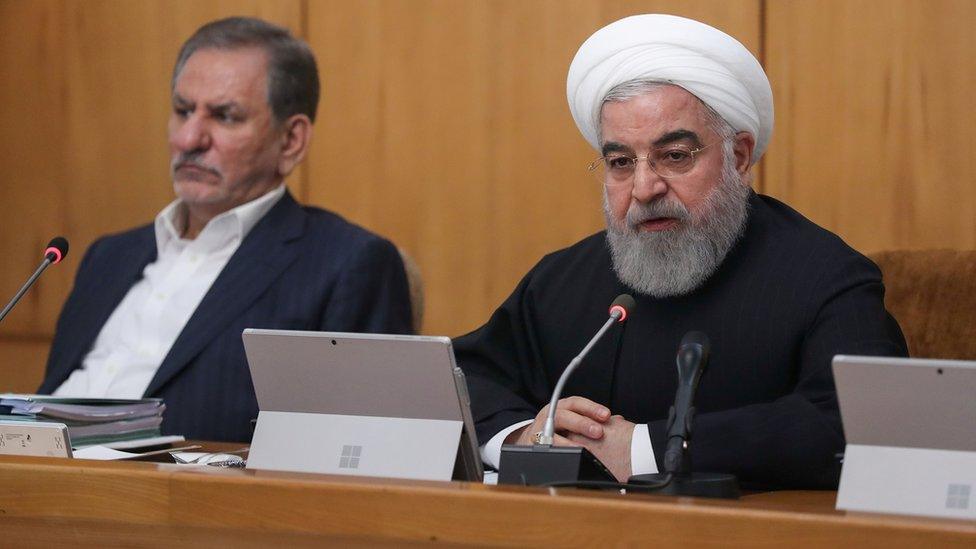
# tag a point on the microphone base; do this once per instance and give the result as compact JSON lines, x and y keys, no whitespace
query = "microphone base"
{"x":541,"y":464}
{"x":704,"y":485}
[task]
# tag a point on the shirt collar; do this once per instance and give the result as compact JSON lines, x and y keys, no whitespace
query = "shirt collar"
{"x":234,"y":223}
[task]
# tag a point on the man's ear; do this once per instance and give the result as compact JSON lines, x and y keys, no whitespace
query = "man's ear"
{"x":295,"y":140}
{"x":743,"y":145}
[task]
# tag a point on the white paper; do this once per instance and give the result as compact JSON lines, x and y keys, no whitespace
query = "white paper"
{"x":145,"y":442}
{"x":204,"y":458}
{"x":102,"y":453}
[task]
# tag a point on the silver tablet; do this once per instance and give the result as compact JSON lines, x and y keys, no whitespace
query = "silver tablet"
{"x":364,"y":404}
{"x":907,"y":402}
{"x":911,"y":435}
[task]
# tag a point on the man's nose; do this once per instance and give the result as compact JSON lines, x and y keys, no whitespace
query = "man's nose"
{"x":191,"y":135}
{"x":648,"y":185}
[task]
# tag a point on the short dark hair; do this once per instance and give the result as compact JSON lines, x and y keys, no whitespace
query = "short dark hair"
{"x":293,"y":78}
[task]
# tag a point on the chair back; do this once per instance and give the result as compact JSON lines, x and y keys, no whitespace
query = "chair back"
{"x":932,"y":294}
{"x":416,"y":285}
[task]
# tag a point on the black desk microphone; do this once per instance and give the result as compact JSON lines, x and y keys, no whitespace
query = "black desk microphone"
{"x":677,"y":477}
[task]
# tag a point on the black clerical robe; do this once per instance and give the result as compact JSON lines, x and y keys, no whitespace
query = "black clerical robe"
{"x":787,"y":298}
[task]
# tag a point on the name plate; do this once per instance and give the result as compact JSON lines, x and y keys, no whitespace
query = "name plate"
{"x":909,"y":481}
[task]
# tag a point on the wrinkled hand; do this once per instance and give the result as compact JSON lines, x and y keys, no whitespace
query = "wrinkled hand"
{"x":581,"y":422}
{"x":613,"y":449}
{"x":575,"y":415}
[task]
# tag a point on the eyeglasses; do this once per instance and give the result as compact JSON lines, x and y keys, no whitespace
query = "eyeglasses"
{"x":668,"y":161}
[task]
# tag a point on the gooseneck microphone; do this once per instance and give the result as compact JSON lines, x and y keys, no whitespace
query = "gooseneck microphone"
{"x":56,"y":250}
{"x":618,"y":313}
{"x":543,"y":463}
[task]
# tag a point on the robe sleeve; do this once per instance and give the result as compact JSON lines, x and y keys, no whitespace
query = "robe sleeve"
{"x":503,"y":365}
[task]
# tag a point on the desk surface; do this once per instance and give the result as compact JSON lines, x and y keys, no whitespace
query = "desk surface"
{"x":78,"y":502}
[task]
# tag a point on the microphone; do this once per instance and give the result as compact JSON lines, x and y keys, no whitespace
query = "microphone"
{"x":677,"y":478}
{"x":618,"y":313}
{"x":692,"y":358}
{"x":543,"y":463}
{"x":57,"y":249}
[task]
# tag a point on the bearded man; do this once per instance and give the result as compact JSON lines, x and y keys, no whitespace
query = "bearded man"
{"x":680,"y":112}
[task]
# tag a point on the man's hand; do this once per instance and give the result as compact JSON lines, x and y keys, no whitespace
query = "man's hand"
{"x":614,"y":448}
{"x":582,"y":422}
{"x":574,"y":416}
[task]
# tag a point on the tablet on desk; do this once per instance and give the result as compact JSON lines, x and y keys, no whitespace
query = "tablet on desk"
{"x":360,"y":404}
{"x":910,"y":426}
{"x":907,"y":402}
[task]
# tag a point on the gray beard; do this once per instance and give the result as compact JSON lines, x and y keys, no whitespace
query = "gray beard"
{"x":676,"y":261}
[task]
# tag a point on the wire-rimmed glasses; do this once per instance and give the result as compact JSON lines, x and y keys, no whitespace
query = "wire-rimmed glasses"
{"x":671,"y":160}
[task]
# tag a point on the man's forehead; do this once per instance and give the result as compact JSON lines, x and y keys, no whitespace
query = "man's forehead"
{"x":660,"y":115}
{"x":222,"y":74}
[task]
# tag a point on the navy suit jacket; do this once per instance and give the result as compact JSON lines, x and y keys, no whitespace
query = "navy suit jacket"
{"x":300,"y":268}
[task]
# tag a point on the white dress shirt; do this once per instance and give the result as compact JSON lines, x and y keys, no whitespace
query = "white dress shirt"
{"x":641,"y":450}
{"x":142,"y":329}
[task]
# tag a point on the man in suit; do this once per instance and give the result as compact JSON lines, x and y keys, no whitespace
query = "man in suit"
{"x":158,"y":311}
{"x":680,"y":112}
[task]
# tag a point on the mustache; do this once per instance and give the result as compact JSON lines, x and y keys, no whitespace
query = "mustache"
{"x":192,"y":160}
{"x":639,"y":213}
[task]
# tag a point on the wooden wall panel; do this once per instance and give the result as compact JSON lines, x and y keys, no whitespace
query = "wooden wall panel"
{"x":22,"y":363}
{"x":444,"y":126}
{"x":84,"y":102}
{"x":875,"y":134}
{"x":32,"y":142}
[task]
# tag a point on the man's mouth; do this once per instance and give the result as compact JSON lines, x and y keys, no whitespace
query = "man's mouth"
{"x":657,"y":224}
{"x":194,"y":172}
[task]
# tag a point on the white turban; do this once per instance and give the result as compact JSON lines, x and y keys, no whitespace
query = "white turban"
{"x":710,"y":64}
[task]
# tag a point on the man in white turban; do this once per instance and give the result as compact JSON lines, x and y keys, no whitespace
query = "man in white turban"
{"x":679,"y":112}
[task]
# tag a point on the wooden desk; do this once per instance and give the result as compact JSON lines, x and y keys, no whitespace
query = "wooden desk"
{"x":47,"y":501}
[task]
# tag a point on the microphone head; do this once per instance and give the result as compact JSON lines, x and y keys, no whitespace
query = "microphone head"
{"x":696,"y":338}
{"x":57,"y":249}
{"x":692,"y":357}
{"x":621,"y":306}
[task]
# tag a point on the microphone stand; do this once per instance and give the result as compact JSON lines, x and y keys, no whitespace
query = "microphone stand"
{"x":23,"y":289}
{"x":543,"y":463}
{"x":549,"y":429}
{"x":678,"y":479}
{"x":56,"y":250}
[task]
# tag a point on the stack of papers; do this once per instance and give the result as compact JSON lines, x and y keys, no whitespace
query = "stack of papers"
{"x":104,"y":453}
{"x":89,"y":420}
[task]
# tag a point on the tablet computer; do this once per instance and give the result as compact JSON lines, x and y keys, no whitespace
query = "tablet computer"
{"x":910,"y":426}
{"x":360,"y":404}
{"x":907,"y":402}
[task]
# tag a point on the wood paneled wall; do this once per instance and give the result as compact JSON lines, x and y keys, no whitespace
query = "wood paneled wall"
{"x":875,"y":130}
{"x":444,"y":126}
